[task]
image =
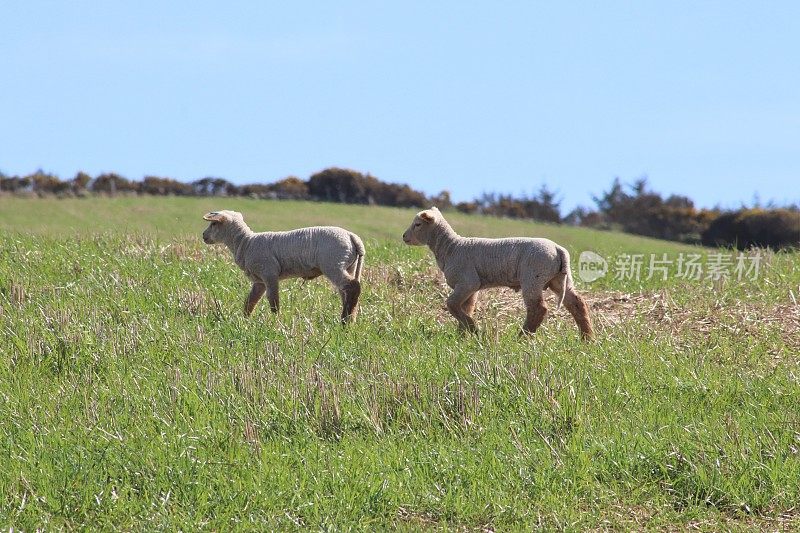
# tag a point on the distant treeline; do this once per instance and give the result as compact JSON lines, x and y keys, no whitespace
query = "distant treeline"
{"x":633,"y":209}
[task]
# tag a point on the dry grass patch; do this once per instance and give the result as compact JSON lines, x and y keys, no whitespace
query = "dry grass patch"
{"x":195,"y":303}
{"x":611,"y":310}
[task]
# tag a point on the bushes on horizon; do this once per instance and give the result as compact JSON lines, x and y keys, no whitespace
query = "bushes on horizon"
{"x":164,"y":186}
{"x":632,"y":209}
{"x":112,"y":184}
{"x":442,"y":200}
{"x":468,"y":208}
{"x":543,"y":206}
{"x":644,"y":212}
{"x":43,"y":184}
{"x":214,"y":187}
{"x":352,"y":187}
{"x":290,"y":188}
{"x":773,"y":228}
{"x":80,"y":183}
{"x":338,"y":185}
{"x":675,"y":218}
{"x":15,"y":184}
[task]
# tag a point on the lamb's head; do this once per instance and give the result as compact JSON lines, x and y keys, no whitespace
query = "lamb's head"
{"x":421,"y":228}
{"x":221,"y":224}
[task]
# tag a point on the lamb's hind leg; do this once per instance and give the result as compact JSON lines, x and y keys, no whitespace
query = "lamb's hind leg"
{"x":350,"y":295}
{"x":536,"y":310}
{"x":354,"y":292}
{"x":273,"y":294}
{"x":580,"y":312}
{"x":349,"y":290}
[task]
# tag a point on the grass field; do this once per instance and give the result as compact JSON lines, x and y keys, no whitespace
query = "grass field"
{"x":134,"y":395}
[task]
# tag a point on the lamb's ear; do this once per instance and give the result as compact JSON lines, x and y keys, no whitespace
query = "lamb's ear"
{"x":427,"y":217}
{"x":214,"y":216}
{"x":434,"y":208}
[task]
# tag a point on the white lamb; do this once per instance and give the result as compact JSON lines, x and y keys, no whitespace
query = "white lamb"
{"x":304,"y":253}
{"x":471,"y":264}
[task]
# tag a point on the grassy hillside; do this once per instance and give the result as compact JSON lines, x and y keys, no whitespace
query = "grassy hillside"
{"x":133,"y":394}
{"x":182,"y":217}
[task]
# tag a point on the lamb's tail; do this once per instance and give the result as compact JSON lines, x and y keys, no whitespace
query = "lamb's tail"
{"x":563,"y":271}
{"x":359,"y":264}
{"x":359,"y":247}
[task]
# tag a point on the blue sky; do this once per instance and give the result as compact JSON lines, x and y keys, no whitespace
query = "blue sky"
{"x":702,"y":97}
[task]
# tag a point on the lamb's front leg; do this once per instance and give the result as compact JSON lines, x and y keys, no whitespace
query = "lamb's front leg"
{"x":455,"y":304}
{"x":255,"y":295}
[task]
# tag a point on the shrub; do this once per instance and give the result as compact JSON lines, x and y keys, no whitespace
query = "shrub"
{"x":110,"y":183}
{"x":15,"y":184}
{"x":214,"y":187}
{"x":352,"y":187}
{"x":773,"y":228}
{"x":290,"y":188}
{"x":165,"y":186}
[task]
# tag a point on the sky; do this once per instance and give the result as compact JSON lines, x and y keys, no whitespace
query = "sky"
{"x":703,"y":98}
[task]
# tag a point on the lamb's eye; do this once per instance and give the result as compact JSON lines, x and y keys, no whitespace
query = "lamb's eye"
{"x":417,"y":224}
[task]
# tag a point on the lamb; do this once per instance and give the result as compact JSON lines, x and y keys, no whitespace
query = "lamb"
{"x":471,"y":264}
{"x":304,"y":253}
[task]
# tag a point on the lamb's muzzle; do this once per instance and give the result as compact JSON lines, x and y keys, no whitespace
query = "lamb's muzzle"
{"x":306,"y":253}
{"x":527,"y":264}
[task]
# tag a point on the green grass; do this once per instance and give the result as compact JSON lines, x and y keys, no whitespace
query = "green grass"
{"x":134,"y":395}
